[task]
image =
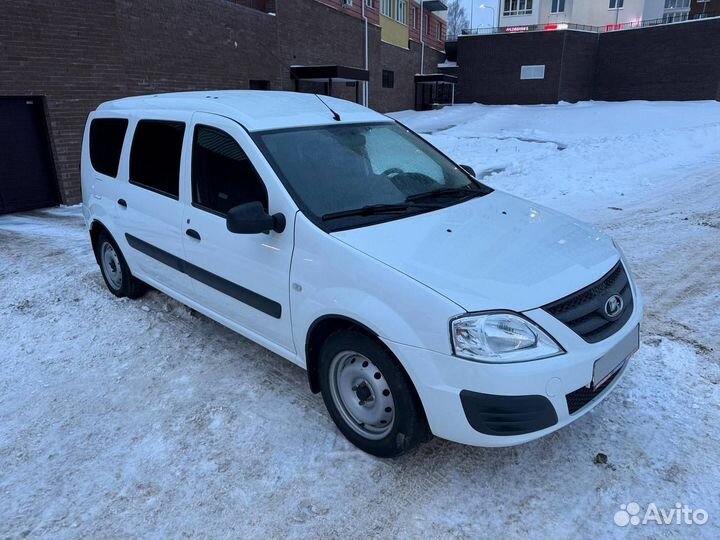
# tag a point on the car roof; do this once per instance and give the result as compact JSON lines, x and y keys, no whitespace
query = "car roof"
{"x":256,"y":110}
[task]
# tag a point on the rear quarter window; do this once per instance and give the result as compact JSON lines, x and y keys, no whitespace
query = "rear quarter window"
{"x":106,"y":142}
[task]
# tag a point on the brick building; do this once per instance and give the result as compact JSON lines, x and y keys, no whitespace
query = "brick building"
{"x":59,"y":60}
{"x":702,"y":9}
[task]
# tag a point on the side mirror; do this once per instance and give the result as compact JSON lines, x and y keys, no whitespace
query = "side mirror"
{"x":468,"y":169}
{"x":251,"y":218}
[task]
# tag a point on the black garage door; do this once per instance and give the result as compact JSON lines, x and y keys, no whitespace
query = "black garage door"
{"x":27,"y":175}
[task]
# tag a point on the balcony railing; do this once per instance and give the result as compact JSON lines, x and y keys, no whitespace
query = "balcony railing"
{"x":551,"y":27}
{"x":520,"y":28}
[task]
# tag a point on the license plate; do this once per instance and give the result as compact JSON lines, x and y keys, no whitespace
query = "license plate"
{"x":615,"y":359}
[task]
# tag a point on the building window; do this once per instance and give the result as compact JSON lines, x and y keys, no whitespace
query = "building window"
{"x":677,"y":4}
{"x":518,"y":7}
{"x":558,"y":6}
{"x":386,"y":7}
{"x":438,"y":31}
{"x":106,"y":142}
{"x":402,"y":11}
{"x":347,"y":2}
{"x":369,"y":3}
{"x":388,"y":79}
{"x":677,"y":16}
{"x":427,"y":24}
{"x":616,"y":4}
{"x":155,"y":156}
{"x":414,"y":17}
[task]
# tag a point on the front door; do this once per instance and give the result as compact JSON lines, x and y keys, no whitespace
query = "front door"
{"x":241,"y":277}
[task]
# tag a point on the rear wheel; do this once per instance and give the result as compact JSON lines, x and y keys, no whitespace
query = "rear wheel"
{"x":115,"y":270}
{"x":369,"y":396}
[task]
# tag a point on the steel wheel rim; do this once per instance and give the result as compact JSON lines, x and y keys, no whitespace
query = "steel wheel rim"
{"x":361,"y":394}
{"x":111,"y":265}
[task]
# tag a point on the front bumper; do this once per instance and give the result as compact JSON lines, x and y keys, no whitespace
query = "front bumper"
{"x":485,"y":404}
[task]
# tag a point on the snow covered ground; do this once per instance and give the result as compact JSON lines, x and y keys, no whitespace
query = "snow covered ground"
{"x":142,"y":419}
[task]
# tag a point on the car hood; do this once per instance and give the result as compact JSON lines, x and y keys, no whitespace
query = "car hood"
{"x":492,"y":252}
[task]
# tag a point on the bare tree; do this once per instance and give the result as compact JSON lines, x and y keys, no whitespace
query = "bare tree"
{"x":456,"y":19}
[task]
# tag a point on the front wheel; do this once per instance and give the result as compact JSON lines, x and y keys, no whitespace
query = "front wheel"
{"x":369,"y":396}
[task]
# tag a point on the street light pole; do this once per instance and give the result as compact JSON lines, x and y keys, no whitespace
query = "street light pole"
{"x":422,"y":38}
{"x":483,"y":6}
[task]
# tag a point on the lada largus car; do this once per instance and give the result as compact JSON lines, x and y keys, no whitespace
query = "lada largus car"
{"x":420,"y":301}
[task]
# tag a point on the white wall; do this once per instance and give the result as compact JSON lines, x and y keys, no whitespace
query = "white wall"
{"x":598,"y":12}
{"x":591,"y":12}
{"x":654,"y":9}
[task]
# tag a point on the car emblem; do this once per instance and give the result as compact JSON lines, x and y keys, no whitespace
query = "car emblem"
{"x":614,"y":306}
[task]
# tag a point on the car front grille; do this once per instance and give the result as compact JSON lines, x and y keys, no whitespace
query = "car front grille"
{"x":582,"y":396}
{"x":584,"y":311}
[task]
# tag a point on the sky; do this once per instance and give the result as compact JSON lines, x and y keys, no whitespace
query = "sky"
{"x":481,"y":17}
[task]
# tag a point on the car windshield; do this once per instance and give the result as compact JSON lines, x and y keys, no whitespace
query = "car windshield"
{"x":350,"y":175}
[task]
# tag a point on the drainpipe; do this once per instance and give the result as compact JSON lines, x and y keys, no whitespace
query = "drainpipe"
{"x":422,"y":40}
{"x":366,"y":84}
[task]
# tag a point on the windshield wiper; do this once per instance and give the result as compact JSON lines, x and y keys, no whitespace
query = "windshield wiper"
{"x":466,"y":191}
{"x":375,"y":209}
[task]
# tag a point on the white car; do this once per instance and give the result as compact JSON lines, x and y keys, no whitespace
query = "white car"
{"x":420,"y":301}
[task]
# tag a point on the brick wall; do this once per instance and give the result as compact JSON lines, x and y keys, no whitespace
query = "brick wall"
{"x":489,"y":67}
{"x":671,"y":62}
{"x":28,"y":34}
{"x":78,"y":54}
{"x":402,"y":96}
{"x":429,"y":30}
{"x":79,"y":57}
{"x":704,"y":9}
{"x":578,"y":66}
{"x":305,"y":28}
{"x":372,"y":13}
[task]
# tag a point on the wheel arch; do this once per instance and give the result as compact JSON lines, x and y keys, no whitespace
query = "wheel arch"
{"x":97,"y":228}
{"x":318,"y":331}
{"x":323,"y":327}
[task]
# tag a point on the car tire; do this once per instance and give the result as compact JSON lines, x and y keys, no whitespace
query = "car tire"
{"x":115,"y":270}
{"x":369,"y":396}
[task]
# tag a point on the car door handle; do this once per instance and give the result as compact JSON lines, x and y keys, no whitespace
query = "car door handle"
{"x":192,"y":233}
{"x":122,"y":203}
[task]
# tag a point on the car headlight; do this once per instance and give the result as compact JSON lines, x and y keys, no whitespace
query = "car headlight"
{"x":501,"y":337}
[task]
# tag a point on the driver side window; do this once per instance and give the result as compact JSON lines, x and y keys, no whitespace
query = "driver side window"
{"x":222,"y":175}
{"x":388,"y":150}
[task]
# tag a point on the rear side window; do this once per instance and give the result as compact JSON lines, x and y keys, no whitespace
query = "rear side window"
{"x":155,"y":156}
{"x":106,"y":141}
{"x":222,"y":175}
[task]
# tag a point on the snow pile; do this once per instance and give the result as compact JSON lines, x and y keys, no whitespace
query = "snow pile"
{"x":577,"y":157}
{"x":142,"y":419}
